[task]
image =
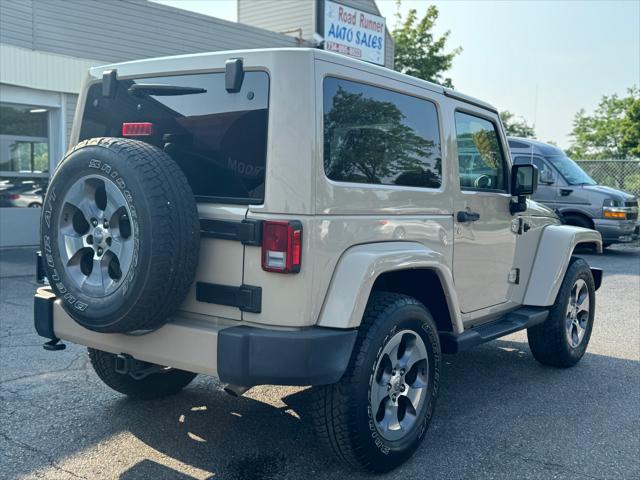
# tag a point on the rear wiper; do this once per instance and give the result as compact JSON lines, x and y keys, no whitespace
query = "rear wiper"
{"x":138,"y":89}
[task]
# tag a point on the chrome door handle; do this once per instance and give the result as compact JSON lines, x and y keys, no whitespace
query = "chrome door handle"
{"x":467,"y":217}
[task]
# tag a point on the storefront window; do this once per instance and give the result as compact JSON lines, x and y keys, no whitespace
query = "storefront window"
{"x":24,"y":155}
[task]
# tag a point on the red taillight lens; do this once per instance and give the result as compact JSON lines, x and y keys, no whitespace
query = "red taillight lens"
{"x":139,"y":129}
{"x":281,"y":246}
{"x":14,"y":196}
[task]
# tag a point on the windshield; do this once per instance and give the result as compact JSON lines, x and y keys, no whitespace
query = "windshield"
{"x":570,"y":170}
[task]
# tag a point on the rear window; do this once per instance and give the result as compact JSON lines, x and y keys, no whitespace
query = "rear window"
{"x":219,"y":139}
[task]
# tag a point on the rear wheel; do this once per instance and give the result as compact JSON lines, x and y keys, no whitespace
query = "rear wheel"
{"x":155,"y":385}
{"x":562,"y":339}
{"x":377,"y":414}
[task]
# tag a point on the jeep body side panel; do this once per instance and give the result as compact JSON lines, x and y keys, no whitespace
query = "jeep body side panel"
{"x":363,"y":215}
{"x":552,"y":258}
{"x":361,"y":265}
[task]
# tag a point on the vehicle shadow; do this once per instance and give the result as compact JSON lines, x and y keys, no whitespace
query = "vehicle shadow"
{"x":495,"y":400}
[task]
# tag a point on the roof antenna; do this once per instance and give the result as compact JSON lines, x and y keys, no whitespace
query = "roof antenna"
{"x":535,"y":107}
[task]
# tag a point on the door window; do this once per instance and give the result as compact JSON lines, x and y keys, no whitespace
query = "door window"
{"x":480,"y":157}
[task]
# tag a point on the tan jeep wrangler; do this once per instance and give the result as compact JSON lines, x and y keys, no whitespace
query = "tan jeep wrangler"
{"x":296,"y":217}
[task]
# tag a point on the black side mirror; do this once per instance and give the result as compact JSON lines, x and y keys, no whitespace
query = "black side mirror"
{"x":524,"y":181}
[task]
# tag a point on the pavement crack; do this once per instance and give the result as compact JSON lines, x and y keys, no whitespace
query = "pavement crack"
{"x":39,"y":374}
{"x":44,"y":455}
{"x":555,"y":466}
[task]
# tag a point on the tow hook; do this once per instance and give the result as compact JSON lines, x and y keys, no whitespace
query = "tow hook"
{"x":53,"y":345}
{"x":125,"y":364}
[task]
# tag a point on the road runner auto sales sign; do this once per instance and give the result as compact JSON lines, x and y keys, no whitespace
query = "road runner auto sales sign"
{"x":353,"y":32}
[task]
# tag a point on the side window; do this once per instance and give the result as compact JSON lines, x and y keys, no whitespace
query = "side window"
{"x":480,"y":157}
{"x":374,"y":135}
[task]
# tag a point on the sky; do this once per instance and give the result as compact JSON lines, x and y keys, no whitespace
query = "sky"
{"x":569,"y":52}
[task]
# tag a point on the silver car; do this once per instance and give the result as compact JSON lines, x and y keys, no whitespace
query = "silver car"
{"x":575,"y":196}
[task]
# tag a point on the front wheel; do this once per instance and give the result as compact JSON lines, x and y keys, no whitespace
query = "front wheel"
{"x":562,"y":339}
{"x":376,"y":416}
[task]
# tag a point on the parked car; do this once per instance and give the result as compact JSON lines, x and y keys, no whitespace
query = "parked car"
{"x":579,"y":200}
{"x":234,"y":214}
{"x":22,"y":195}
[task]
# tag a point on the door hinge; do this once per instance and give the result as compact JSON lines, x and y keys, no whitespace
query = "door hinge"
{"x":514,"y":276}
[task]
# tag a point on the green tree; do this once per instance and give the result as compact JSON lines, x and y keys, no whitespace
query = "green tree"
{"x":417,"y":51}
{"x":631,"y":129}
{"x":516,"y":127}
{"x":612,"y":130}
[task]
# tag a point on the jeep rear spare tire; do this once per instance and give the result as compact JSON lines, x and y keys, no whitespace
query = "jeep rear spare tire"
{"x":120,"y":235}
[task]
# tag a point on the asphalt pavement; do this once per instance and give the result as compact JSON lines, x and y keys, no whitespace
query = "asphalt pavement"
{"x":500,"y":415}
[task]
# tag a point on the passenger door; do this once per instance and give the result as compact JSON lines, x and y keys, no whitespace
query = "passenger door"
{"x":484,"y":244}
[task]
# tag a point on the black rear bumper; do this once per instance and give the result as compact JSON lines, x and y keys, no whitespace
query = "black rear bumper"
{"x":250,"y":356}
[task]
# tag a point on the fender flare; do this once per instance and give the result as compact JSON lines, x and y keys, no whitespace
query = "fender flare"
{"x":360,"y":266}
{"x":555,"y":248}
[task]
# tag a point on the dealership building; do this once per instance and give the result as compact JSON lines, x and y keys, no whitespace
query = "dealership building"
{"x":46,"y":47}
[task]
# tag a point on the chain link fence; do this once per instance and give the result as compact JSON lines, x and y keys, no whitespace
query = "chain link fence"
{"x":620,"y":174}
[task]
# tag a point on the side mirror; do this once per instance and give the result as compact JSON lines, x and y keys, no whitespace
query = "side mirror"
{"x":524,"y":181}
{"x":546,"y":177}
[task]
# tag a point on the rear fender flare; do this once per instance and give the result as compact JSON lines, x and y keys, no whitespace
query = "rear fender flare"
{"x":360,"y":266}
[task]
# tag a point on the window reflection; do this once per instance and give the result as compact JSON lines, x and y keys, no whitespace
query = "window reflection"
{"x":24,"y":155}
{"x":374,"y":135}
{"x":480,"y":158}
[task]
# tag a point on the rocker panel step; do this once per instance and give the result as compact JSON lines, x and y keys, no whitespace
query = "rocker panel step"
{"x":515,"y":321}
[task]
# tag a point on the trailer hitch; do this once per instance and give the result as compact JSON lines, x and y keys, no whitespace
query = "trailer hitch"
{"x":125,"y":364}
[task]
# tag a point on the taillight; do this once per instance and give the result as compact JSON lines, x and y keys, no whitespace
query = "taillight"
{"x":137,"y":129}
{"x":281,"y":246}
{"x":14,"y":196}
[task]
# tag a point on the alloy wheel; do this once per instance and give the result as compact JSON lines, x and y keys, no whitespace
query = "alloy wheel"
{"x":577,"y":316}
{"x":95,"y":238}
{"x":399,"y":385}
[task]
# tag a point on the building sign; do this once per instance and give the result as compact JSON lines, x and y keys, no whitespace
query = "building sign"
{"x":354,"y":33}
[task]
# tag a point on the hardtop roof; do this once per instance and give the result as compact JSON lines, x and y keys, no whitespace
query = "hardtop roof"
{"x":194,"y":61}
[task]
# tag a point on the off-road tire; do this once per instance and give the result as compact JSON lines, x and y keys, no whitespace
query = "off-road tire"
{"x":163,"y":216}
{"x":548,"y":341}
{"x":342,"y":412}
{"x":156,"y":385}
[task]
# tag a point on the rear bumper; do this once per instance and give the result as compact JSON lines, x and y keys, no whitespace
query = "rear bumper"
{"x":241,"y":355}
{"x":617,"y":231}
{"x":253,"y":356}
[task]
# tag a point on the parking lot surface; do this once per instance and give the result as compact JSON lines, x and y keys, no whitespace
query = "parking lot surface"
{"x":500,"y":414}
